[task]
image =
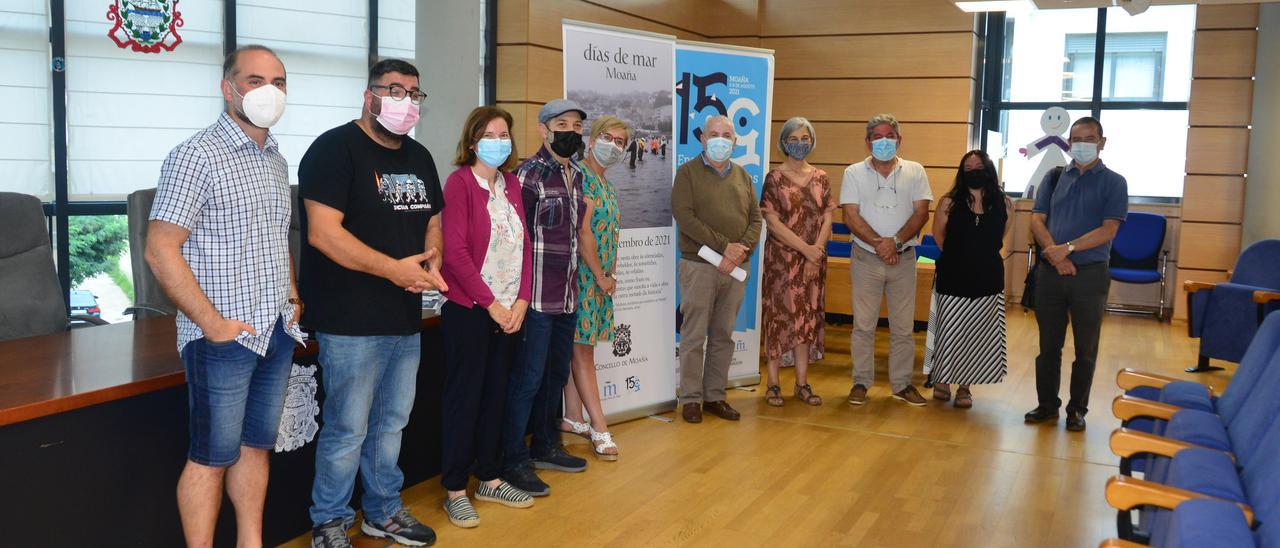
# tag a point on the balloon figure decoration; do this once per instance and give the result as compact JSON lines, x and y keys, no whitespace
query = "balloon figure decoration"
{"x":1055,"y":121}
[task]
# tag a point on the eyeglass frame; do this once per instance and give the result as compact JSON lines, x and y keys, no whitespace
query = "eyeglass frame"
{"x":391,"y":92}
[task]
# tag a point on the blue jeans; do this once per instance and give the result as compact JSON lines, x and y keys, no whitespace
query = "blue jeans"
{"x":369,"y":385}
{"x":535,"y":388}
{"x":234,"y":396}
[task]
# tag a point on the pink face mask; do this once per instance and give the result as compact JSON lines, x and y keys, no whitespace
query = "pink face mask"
{"x":398,"y":116}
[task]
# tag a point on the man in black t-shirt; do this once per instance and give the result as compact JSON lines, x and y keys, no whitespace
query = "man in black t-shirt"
{"x":372,"y":246}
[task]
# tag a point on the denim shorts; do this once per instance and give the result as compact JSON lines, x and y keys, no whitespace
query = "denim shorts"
{"x":234,"y":396}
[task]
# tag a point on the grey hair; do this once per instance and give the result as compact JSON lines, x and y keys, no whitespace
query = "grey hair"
{"x":793,"y":125}
{"x":883,"y":119}
{"x":720,"y":118}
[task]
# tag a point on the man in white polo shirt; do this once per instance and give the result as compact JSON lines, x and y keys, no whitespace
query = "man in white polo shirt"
{"x":886,"y":202}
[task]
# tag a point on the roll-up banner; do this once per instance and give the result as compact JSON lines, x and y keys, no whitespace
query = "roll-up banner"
{"x":628,"y":74}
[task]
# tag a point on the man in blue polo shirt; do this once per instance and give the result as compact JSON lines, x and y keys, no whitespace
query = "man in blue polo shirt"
{"x":1074,"y":220}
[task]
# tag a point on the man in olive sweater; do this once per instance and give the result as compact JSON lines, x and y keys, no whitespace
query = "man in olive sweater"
{"x":714,"y":205}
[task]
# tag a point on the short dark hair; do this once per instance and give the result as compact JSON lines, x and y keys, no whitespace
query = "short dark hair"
{"x":1090,"y":120}
{"x":473,"y":130}
{"x":229,"y":68}
{"x":391,"y":65}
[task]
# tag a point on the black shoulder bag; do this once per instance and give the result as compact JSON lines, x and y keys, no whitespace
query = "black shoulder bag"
{"x":1029,"y":285}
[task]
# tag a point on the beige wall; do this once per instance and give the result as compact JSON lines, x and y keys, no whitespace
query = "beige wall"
{"x":1263,"y":191}
{"x":1221,"y":110}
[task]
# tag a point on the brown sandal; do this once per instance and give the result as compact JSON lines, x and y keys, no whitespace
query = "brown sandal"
{"x":964,"y":399}
{"x":805,"y":394}
{"x":773,"y":396}
{"x":940,"y":393}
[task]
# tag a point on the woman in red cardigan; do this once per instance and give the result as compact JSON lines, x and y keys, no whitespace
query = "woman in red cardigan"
{"x":487,"y":265}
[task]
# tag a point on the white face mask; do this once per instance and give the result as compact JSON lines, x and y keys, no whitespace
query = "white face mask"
{"x":263,"y":105}
{"x":606,"y":152}
{"x":1084,"y":153}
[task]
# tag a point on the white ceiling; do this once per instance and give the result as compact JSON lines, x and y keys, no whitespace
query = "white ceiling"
{"x":1068,"y":4}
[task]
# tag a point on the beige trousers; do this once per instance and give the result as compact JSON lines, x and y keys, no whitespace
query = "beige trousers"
{"x":709,"y":302}
{"x":872,"y":279}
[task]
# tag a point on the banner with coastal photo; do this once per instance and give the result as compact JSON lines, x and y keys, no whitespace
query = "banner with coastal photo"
{"x":737,"y":82}
{"x":628,"y":74}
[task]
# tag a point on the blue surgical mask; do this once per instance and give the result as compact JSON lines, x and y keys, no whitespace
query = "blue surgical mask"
{"x":1084,"y":153}
{"x":493,"y":152}
{"x":798,"y":150}
{"x":719,"y":149}
{"x":884,"y":149}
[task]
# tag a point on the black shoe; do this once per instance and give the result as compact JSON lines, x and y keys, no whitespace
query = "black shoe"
{"x":558,"y":459}
{"x":1075,"y":421}
{"x":523,"y":478}
{"x":1040,"y":414}
{"x":402,"y":528}
{"x":331,"y":534}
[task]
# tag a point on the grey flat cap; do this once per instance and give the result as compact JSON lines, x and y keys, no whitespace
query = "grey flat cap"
{"x":558,"y":107}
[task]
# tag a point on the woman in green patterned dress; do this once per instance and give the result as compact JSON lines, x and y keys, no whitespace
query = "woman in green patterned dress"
{"x":598,"y":251}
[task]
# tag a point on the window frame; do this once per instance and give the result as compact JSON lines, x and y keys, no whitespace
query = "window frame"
{"x":989,"y":97}
{"x":59,"y":211}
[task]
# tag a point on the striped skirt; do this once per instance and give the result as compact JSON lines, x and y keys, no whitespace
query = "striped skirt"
{"x":966,"y":340}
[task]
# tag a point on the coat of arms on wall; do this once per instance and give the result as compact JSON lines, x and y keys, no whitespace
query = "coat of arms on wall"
{"x":145,"y":26}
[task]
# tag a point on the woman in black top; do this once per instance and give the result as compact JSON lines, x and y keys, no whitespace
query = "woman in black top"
{"x":966,"y":340}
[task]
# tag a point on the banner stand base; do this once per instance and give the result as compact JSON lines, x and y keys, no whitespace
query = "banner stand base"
{"x":749,"y":380}
{"x":640,"y":412}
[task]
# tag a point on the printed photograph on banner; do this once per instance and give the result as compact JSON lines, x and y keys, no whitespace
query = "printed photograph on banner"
{"x":629,"y":76}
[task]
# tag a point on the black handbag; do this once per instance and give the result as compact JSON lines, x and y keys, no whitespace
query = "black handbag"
{"x":1033,"y":261}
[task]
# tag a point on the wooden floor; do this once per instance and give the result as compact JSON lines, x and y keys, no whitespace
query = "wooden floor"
{"x":884,"y":474}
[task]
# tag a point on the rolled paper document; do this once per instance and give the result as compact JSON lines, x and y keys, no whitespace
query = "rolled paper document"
{"x":714,"y":258}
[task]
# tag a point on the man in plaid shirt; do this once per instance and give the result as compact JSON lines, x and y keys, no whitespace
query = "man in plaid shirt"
{"x":552,"y":188}
{"x":218,"y":242}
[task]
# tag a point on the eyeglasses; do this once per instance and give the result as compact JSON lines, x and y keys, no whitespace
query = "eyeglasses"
{"x":606,"y":138}
{"x":398,"y":92}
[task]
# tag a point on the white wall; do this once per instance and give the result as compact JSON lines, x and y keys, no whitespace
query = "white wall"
{"x":449,"y":54}
{"x":1262,"y":192}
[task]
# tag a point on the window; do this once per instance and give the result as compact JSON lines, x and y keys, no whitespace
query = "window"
{"x":26,"y":139}
{"x":325,"y":50}
{"x":1049,"y":58}
{"x":1132,"y":70}
{"x":126,"y":110}
{"x":123,"y":111}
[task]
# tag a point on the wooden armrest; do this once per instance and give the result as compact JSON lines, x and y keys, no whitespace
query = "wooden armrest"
{"x":1129,"y":378}
{"x":1264,"y":297}
{"x":1126,"y":493}
{"x":1117,"y":543}
{"x":1127,"y":443}
{"x":1128,"y":407}
{"x":1192,"y":286}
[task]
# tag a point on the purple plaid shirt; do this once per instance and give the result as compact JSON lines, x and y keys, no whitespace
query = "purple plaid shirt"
{"x":553,"y":210}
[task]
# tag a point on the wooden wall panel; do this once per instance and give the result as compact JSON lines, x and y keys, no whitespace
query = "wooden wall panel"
{"x":1217,"y":151}
{"x":781,"y":18}
{"x":1209,"y":246}
{"x":1226,"y":102}
{"x":911,"y":100}
{"x":513,"y":73}
{"x":707,"y":17}
{"x":1213,"y":199}
{"x":1238,"y":16}
{"x":545,"y":17}
{"x":513,"y":21}
{"x":915,"y":55}
{"x":936,"y":145}
{"x":1224,"y":54}
{"x":747,"y":41}
{"x":525,"y":133}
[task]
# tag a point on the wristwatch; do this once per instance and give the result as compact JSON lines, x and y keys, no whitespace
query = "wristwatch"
{"x":1071,"y":247}
{"x":897,"y":244}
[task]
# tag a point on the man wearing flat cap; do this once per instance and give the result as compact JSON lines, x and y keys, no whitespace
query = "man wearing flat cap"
{"x":552,"y":188}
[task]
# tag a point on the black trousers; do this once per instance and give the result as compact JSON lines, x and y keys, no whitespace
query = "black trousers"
{"x":477,"y":360}
{"x":1080,"y":300}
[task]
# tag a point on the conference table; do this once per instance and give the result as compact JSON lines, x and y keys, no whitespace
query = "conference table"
{"x":93,"y":437}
